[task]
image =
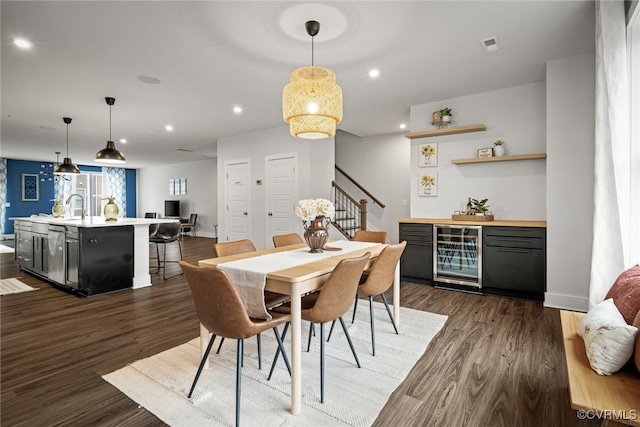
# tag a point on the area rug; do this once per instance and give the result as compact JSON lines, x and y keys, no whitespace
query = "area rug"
{"x":353,"y":397}
{"x":14,"y":286}
{"x":6,"y":249}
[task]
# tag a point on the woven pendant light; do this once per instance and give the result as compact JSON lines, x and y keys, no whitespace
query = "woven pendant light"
{"x":312,"y":102}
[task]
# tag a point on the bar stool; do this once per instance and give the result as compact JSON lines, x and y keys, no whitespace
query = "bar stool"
{"x":167,"y":232}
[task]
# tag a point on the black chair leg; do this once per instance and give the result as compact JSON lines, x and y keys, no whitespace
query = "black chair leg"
{"x":322,"y":363}
{"x":259,"y":351}
{"x":280,"y":350}
{"x":239,"y":379}
{"x":346,"y":333}
{"x":331,"y":329}
{"x":373,"y":327}
{"x":312,"y":331}
{"x":220,"y":345}
{"x":386,"y":304}
{"x":202,"y":362}
{"x":355,"y":306}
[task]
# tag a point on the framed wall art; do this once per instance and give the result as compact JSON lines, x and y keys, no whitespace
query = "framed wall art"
{"x":428,"y":185}
{"x":30,"y":187}
{"x":428,"y":154}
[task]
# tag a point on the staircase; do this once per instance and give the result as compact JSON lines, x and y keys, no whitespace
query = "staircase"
{"x":351,"y":215}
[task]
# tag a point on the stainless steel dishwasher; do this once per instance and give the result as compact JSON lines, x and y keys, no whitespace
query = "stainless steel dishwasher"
{"x":72,"y":255}
{"x":56,"y":254}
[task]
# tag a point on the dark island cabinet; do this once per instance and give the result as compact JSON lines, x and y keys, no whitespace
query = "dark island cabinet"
{"x":416,"y":263}
{"x":514,"y":261}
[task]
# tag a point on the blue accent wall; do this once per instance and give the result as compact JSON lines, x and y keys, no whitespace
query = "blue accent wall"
{"x":18,"y":208}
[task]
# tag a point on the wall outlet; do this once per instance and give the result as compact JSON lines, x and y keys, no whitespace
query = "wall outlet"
{"x":404,"y":202}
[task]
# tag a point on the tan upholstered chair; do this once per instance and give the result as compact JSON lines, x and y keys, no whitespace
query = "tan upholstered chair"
{"x":286,"y":240}
{"x":185,"y":227}
{"x":221,"y":311}
{"x":271,"y":299}
{"x":376,"y":281}
{"x":333,"y":301}
{"x":232,"y":248}
{"x":370,"y":236}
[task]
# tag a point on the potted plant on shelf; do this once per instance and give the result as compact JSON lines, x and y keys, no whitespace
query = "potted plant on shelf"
{"x":498,"y":149}
{"x":479,"y":206}
{"x":445,"y":114}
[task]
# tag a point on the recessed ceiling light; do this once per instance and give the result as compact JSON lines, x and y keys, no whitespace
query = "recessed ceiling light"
{"x":168,"y":128}
{"x":23,"y":43}
{"x":403,"y":125}
{"x":374,"y":73}
{"x":237,"y":109}
{"x":124,"y":141}
{"x":149,"y":79}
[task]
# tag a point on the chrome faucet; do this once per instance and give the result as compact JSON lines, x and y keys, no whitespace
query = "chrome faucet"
{"x":82,"y":206}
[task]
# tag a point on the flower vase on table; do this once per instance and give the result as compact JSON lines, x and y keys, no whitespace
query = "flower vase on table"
{"x":316,"y":216}
{"x":316,"y":233}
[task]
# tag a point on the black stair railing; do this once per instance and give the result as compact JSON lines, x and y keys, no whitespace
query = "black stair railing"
{"x":351,"y":215}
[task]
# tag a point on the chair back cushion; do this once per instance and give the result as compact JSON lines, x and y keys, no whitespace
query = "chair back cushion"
{"x":379,"y":278}
{"x":370,"y":236}
{"x":338,"y":292}
{"x":286,"y":239}
{"x":233,"y":248}
{"x":218,"y":305}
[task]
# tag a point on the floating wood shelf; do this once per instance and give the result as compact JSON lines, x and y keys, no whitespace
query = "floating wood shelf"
{"x":536,"y":156}
{"x":446,"y":131}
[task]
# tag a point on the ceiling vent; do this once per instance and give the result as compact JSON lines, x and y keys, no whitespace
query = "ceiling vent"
{"x":490,"y":44}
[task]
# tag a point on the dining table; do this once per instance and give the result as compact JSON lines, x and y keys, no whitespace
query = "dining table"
{"x":295,"y":282}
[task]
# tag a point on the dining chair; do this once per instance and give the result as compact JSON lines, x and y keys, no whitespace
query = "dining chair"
{"x":331,"y":303}
{"x":286,"y":239}
{"x":166,"y":233}
{"x":190,"y":225}
{"x":376,"y":281}
{"x":221,"y":311}
{"x":271,"y":299}
{"x":150,"y":215}
{"x":370,"y":236}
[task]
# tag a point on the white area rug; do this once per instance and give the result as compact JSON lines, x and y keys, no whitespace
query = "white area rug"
{"x":13,"y":286}
{"x":353,"y":397}
{"x":6,"y":249}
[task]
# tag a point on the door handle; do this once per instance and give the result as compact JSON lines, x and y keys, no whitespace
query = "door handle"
{"x":270,"y":214}
{"x":245,"y":214}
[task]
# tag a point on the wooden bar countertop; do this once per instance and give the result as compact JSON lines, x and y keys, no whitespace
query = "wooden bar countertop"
{"x":495,"y":223}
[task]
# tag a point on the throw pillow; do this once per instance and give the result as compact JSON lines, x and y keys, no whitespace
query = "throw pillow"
{"x":636,"y":323}
{"x":626,"y":293}
{"x":608,"y":339}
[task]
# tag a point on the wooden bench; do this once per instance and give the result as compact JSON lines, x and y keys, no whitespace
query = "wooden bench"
{"x":607,"y":397}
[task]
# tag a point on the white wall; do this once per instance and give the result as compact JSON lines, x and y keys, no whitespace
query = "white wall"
{"x":316,"y":160}
{"x":201,"y":197}
{"x":381,"y":165}
{"x":516,"y":190}
{"x":570,"y":179}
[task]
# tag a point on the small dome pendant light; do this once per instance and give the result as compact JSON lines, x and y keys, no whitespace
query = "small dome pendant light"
{"x":312,"y":101}
{"x":110,"y":154}
{"x":67,"y":167}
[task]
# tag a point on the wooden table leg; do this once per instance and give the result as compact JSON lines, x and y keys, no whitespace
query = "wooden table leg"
{"x":296,"y":352}
{"x":204,"y":341}
{"x":396,"y":295}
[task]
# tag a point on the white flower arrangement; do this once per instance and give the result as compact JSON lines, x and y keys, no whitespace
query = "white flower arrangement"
{"x":310,"y":209}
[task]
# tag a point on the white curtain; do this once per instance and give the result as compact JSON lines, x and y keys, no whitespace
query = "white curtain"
{"x":62,"y":188}
{"x":117,"y":187}
{"x":612,"y":192}
{"x":3,"y":195}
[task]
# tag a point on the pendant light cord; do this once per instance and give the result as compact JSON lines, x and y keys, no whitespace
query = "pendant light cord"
{"x":312,"y":50}
{"x":67,"y":139}
{"x":110,"y":123}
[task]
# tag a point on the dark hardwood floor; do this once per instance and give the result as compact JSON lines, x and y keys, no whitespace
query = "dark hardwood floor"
{"x":497,"y":362}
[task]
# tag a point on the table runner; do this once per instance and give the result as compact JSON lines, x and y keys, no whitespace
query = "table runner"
{"x":249,"y":275}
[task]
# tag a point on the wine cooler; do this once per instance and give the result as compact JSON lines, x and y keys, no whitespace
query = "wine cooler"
{"x":457,"y":256}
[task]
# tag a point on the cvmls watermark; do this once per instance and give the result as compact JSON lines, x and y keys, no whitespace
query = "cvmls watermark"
{"x":607,"y":414}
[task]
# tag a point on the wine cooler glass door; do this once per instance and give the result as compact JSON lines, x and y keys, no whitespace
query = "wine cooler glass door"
{"x":457,"y":258}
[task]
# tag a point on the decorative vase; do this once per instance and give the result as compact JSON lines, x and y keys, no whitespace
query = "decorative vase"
{"x":58,"y":209}
{"x":111,"y":210}
{"x":498,"y":150}
{"x":446,"y":119}
{"x":316,"y":233}
{"x":426,"y":189}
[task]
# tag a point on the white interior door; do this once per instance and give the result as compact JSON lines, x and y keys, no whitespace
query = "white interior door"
{"x":282,"y":195}
{"x":237,"y":175}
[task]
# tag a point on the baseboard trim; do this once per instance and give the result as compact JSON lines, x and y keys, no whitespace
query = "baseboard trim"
{"x":566,"y":302}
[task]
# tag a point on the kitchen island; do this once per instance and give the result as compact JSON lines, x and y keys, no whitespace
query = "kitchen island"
{"x":88,"y":255}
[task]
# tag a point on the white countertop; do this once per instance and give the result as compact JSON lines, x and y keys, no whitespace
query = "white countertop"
{"x":93,"y":221}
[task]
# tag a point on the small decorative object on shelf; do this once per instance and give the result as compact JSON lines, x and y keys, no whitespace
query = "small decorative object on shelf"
{"x":445,"y":115}
{"x":441,"y":118}
{"x":111,"y":210}
{"x":498,"y":149}
{"x":316,"y":216}
{"x":485,"y":152}
{"x":58,"y":209}
{"x":475,"y":210}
